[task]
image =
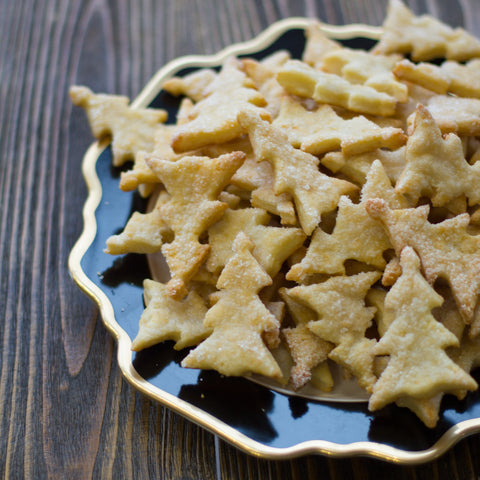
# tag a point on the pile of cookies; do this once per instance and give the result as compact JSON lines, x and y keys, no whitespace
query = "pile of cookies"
{"x":315,"y":210}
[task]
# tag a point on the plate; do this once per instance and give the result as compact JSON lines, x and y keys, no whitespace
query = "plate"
{"x":261,"y":421}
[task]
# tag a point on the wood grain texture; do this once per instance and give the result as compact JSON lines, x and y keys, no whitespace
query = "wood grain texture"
{"x":65,"y":410}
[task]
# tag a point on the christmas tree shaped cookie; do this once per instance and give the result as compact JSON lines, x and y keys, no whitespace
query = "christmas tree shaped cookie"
{"x":239,"y":320}
{"x":317,"y":45}
{"x":167,"y":319}
{"x":450,"y":77}
{"x":132,"y":129}
{"x":322,"y":130}
{"x":446,"y":249}
{"x":309,"y":352}
{"x":356,"y":167}
{"x":214,"y":118}
{"x":452,"y":114}
{"x":143,"y":233}
{"x":418,"y":366}
{"x":194,"y":184}
{"x":423,"y":37}
{"x":356,"y":236}
{"x":194,"y":85}
{"x":296,"y":172}
{"x":273,"y":245}
{"x":257,"y":178}
{"x":140,"y":175}
{"x":359,"y":66}
{"x":343,"y":320}
{"x":263,"y":73}
{"x":436,"y":167}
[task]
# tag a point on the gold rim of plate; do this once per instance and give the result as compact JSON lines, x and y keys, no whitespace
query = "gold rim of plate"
{"x":124,"y":355}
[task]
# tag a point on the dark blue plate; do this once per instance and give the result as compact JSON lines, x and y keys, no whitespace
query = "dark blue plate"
{"x":258,"y":420}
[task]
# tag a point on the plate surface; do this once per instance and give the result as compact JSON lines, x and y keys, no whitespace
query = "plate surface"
{"x":256,"y":419}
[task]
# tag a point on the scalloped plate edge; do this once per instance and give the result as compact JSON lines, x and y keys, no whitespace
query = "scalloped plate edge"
{"x":124,"y":355}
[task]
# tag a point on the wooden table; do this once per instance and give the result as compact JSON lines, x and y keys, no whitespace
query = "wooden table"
{"x":65,"y":410}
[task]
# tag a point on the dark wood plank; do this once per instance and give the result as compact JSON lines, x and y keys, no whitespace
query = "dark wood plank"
{"x":65,"y":410}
